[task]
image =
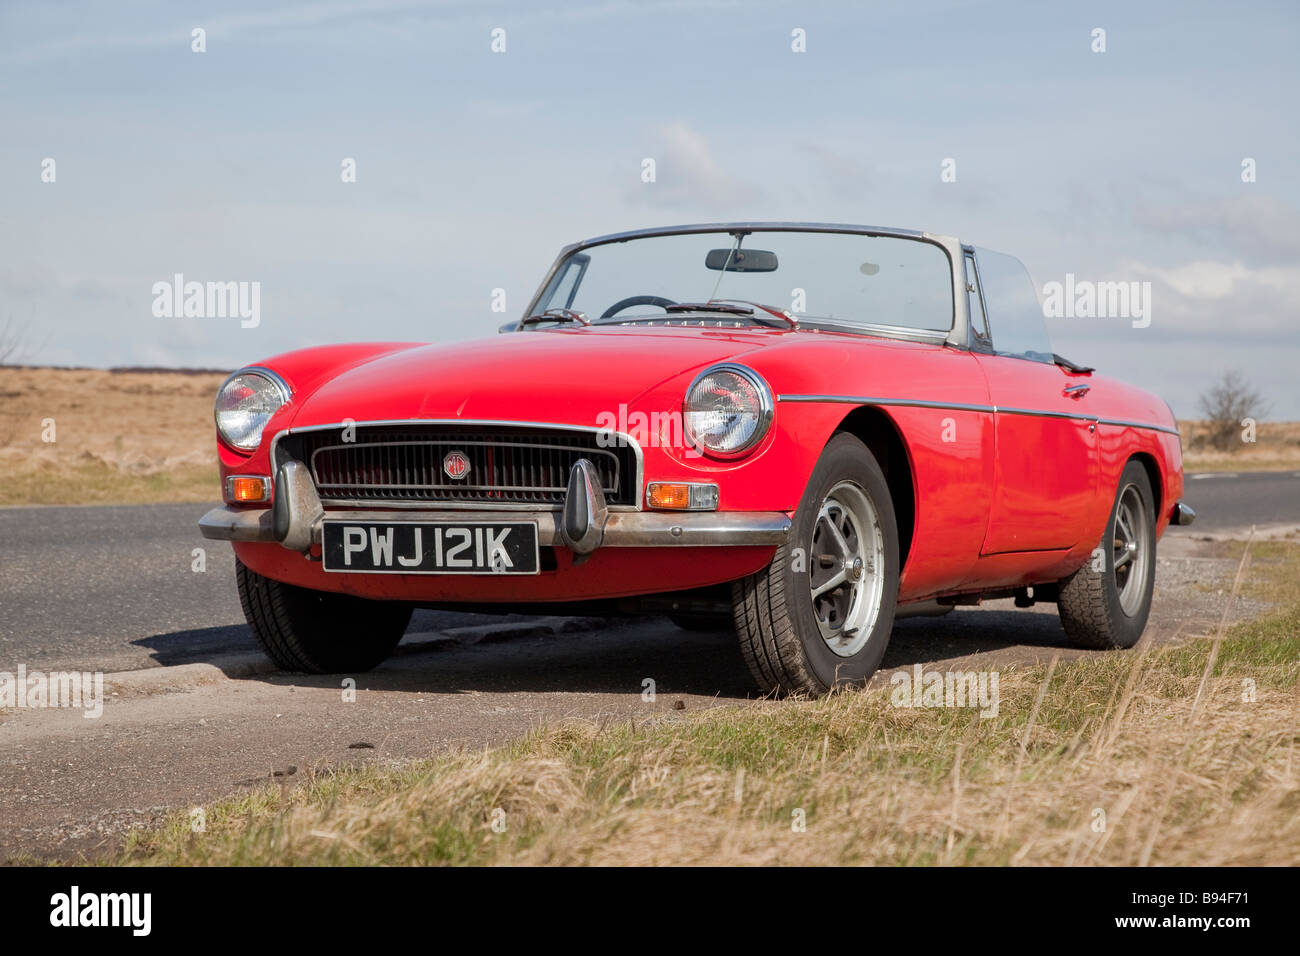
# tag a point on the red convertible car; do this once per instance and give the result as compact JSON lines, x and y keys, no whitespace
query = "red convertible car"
{"x":801,"y":431}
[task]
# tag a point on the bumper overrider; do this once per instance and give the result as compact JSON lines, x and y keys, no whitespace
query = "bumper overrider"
{"x":583,"y":524}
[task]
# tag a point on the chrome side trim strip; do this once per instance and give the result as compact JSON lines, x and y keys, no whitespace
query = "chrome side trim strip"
{"x":867,"y":400}
{"x":963,"y":407}
{"x":1035,"y":413}
{"x":1119,"y":423}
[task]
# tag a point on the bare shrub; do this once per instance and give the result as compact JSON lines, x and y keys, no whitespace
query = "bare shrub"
{"x":13,"y":345}
{"x":1225,"y":404}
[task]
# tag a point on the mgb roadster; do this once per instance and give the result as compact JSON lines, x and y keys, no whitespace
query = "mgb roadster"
{"x":797,"y":431}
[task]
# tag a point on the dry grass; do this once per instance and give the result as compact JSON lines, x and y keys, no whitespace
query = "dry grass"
{"x":1276,"y":448}
{"x":119,"y":437}
{"x":1164,"y":741}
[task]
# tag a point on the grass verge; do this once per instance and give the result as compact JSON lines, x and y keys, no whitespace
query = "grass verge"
{"x":1180,"y":753}
{"x":96,"y":483}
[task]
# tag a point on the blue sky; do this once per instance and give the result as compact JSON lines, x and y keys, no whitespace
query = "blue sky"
{"x":474,"y":167}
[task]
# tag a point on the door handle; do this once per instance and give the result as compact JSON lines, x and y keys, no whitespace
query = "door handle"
{"x":1077,"y":391}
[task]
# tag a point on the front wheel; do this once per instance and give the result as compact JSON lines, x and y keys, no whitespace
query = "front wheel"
{"x":1105,"y":604}
{"x":821,"y":613}
{"x":319,"y":632}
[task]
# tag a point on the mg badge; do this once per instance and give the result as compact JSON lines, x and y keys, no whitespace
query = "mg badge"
{"x":456,"y":465}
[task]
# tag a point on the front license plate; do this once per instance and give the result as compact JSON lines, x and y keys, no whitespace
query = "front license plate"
{"x":430,"y":547}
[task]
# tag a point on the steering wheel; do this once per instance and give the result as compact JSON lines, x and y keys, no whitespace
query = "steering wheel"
{"x":632,"y":300}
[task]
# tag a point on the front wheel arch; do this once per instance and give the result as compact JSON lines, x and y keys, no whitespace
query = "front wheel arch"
{"x":793,"y":628}
{"x":880,"y":433}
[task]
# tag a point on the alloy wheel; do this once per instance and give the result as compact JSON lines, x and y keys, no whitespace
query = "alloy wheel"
{"x":1132,"y":549}
{"x":846,"y":568}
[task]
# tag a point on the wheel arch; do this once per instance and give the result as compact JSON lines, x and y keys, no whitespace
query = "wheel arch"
{"x":1152,"y":467}
{"x":880,"y":433}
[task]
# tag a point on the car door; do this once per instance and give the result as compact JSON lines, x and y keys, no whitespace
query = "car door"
{"x":1045,"y":474}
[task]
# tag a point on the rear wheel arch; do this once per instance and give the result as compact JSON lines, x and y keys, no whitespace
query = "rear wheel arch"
{"x":877,"y":430}
{"x":1148,"y":461}
{"x":1097,"y":609}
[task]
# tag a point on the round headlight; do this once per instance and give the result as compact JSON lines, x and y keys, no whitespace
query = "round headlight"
{"x":245,"y":403}
{"x":728,"y":409}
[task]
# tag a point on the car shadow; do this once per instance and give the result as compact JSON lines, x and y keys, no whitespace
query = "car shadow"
{"x":966,"y":632}
{"x":217,"y":645}
{"x":199,"y":645}
{"x":614,"y":658}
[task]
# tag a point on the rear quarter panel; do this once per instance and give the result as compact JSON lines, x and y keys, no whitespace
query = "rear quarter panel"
{"x":1160,"y":450}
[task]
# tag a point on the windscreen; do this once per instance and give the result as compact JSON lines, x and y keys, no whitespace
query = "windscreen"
{"x":840,"y":278}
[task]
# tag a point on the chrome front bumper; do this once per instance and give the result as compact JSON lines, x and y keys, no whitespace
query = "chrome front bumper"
{"x":583,"y":524}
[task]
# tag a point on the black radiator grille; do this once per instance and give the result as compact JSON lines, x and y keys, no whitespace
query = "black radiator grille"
{"x":507,"y":464}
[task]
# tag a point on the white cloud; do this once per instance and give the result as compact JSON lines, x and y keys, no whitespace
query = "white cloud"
{"x":1257,"y":227}
{"x":688,"y":174}
{"x":1219,"y":280}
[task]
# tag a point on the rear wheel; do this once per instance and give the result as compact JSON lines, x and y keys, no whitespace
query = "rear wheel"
{"x":319,"y":632}
{"x":1105,"y":604}
{"x":821,"y":613}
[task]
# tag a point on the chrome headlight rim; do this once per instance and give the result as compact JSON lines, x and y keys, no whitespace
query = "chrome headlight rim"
{"x":766,"y":412}
{"x":282,"y":388}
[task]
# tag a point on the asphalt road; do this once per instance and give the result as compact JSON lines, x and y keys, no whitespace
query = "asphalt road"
{"x":115,"y":588}
{"x":1229,"y":501}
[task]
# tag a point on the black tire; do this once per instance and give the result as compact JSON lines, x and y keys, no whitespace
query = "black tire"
{"x":318,"y":632}
{"x":702,"y":622}
{"x":774,"y":609}
{"x":1092,"y":600}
